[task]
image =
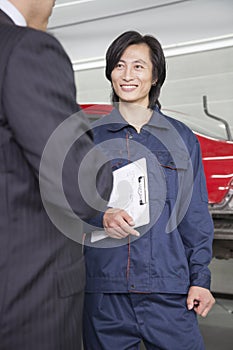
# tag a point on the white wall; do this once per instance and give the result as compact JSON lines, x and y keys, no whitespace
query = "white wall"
{"x":189,"y":77}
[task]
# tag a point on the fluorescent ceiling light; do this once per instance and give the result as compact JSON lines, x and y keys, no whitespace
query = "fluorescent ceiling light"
{"x":96,"y":62}
{"x":199,"y":45}
{"x":169,"y":51}
{"x":70,"y":3}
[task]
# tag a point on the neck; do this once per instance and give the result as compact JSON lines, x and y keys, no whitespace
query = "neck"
{"x":135,"y":115}
{"x":37,"y":24}
{"x":30,"y":12}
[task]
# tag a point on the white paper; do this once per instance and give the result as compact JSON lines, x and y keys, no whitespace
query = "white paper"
{"x":130,"y":192}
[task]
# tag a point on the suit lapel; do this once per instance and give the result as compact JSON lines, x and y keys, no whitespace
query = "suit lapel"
{"x":4,"y":19}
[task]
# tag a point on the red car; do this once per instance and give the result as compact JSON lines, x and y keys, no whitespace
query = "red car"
{"x":217,"y":155}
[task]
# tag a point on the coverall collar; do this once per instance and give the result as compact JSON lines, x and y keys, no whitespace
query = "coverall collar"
{"x":118,"y":122}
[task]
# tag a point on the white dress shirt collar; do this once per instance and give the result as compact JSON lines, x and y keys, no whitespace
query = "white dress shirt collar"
{"x":11,"y":11}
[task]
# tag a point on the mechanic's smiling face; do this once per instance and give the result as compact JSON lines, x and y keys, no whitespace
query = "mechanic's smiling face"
{"x":132,"y":76}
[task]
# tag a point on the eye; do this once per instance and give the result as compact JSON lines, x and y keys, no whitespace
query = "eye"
{"x":119,"y":65}
{"x":138,"y":67}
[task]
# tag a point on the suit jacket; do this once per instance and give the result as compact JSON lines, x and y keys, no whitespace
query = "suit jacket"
{"x":42,"y":272}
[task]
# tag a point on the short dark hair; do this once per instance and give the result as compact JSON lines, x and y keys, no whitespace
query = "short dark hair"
{"x":116,"y":50}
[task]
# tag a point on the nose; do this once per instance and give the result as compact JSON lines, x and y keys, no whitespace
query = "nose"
{"x":128,"y":74}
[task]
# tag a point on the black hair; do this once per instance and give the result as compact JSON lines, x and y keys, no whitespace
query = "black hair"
{"x":120,"y":44}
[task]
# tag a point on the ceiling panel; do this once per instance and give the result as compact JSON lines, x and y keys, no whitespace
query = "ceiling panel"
{"x":86,"y":28}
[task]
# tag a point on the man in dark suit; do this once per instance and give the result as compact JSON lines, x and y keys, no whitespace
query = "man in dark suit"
{"x":41,"y":269}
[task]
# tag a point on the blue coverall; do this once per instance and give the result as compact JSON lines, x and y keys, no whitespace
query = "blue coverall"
{"x":137,"y":287}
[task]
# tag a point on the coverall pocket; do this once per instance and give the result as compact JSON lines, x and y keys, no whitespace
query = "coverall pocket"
{"x":173,"y":167}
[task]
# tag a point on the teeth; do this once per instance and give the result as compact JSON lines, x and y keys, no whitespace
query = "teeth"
{"x":128,"y":86}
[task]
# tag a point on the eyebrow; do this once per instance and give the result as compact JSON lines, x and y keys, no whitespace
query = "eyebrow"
{"x":136,"y":61}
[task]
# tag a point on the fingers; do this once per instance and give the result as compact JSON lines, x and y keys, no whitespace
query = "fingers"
{"x":190,"y":303}
{"x":203,"y":309}
{"x":206,"y":306}
{"x":117,"y":233}
{"x":200,"y":299}
{"x":118,"y":223}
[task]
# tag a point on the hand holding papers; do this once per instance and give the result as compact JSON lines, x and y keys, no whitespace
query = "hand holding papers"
{"x":130,"y":192}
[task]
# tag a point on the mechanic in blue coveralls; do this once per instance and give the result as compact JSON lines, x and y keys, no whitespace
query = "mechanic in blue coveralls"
{"x":148,"y":283}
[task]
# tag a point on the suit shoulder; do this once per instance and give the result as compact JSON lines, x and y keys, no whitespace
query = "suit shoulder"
{"x":39,"y":48}
{"x":26,"y":33}
{"x":40,"y":59}
{"x":30,"y":39}
{"x":35,"y":37}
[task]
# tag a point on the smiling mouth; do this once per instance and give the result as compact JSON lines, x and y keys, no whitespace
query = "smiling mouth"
{"x":128,"y":87}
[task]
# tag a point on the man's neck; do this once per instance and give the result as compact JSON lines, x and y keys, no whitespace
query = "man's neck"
{"x":135,"y":115}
